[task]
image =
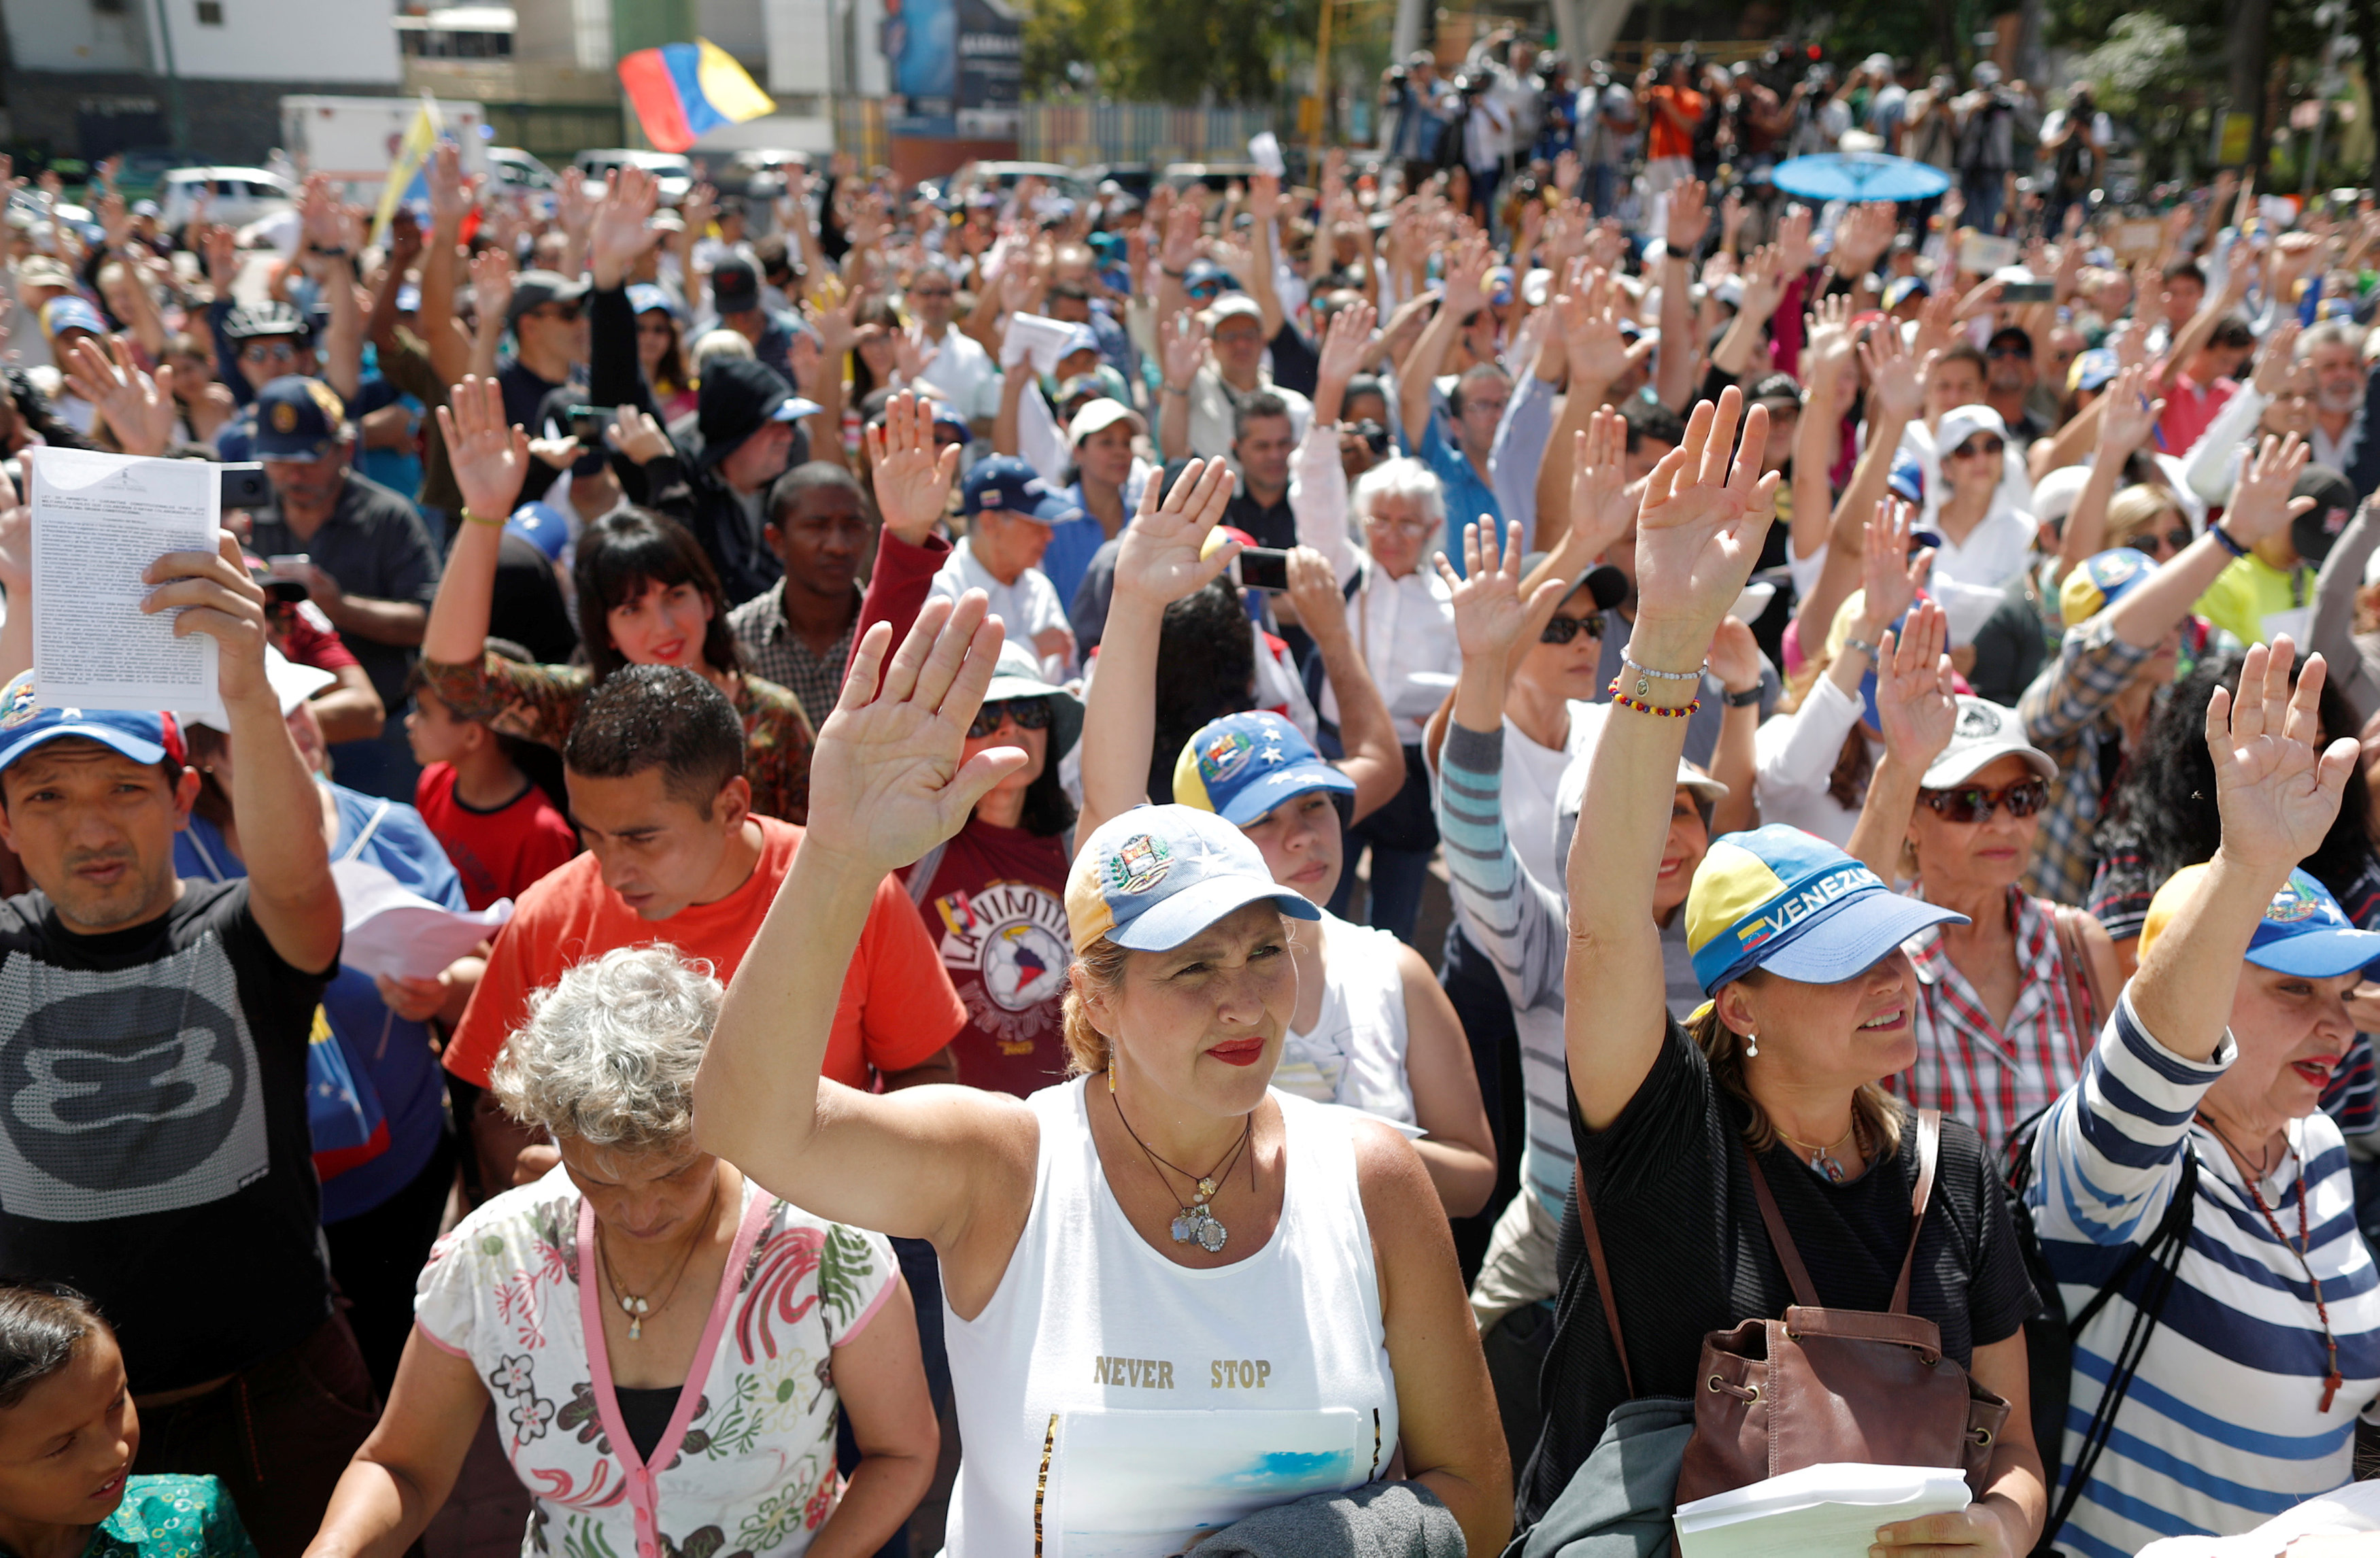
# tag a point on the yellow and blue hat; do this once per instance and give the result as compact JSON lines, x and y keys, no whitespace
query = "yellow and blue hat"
{"x":1783,"y":900}
{"x":2100,"y":582}
{"x":2303,"y":933}
{"x":1155,"y":876}
{"x":1243,"y":765}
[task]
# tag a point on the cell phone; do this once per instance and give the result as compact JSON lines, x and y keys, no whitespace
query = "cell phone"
{"x":2028,"y":291}
{"x":1261,"y":567}
{"x":243,"y":485}
{"x":588,"y":422}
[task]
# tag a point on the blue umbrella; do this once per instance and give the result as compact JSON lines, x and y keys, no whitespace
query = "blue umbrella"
{"x":1859,"y":175}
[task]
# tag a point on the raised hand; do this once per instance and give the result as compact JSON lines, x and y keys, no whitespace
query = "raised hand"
{"x":1313,"y":592}
{"x":222,"y":248}
{"x":2130,"y":415}
{"x":618,"y":229}
{"x":574,"y":207}
{"x":837,"y":326}
{"x":1181,"y":245}
{"x":1601,"y":508}
{"x":1264,"y":197}
{"x":1889,"y":576}
{"x":492,"y":283}
{"x":1734,"y":656}
{"x":1344,"y":344}
{"x":637,"y":435}
{"x":490,"y":456}
{"x":2276,"y":355}
{"x":2277,"y":792}
{"x":1916,"y":702}
{"x":139,"y":410}
{"x":1698,"y":529}
{"x":1794,"y":245}
{"x":889,"y":777}
{"x":1489,"y":609}
{"x":2260,"y":505}
{"x":1689,"y":217}
{"x":1764,"y":282}
{"x":1182,"y":348}
{"x":1588,"y":312}
{"x":1896,"y":375}
{"x":450,"y":192}
{"x":1163,"y":558}
{"x":912,"y":477}
{"x":1467,"y":276}
{"x":1827,"y":329}
{"x":212,"y":592}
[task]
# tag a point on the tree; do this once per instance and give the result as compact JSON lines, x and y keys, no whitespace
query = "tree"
{"x":1164,"y":51}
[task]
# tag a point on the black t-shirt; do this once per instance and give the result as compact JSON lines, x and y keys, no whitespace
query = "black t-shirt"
{"x":375,"y":545}
{"x":153,"y":1145}
{"x":1689,"y":1253}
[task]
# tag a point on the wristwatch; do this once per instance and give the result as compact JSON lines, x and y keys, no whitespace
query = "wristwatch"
{"x":1744,"y":699}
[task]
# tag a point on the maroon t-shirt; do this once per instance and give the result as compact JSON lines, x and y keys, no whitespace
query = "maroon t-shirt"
{"x":996,"y":910}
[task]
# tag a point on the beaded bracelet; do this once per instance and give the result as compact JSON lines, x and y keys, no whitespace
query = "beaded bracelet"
{"x":2226,"y":541}
{"x":1677,"y":712}
{"x":1647,"y":675}
{"x":471,"y":519}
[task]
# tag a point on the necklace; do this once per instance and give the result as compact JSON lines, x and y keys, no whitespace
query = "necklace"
{"x":1822,"y":1160}
{"x":2332,"y":1380}
{"x":635,"y":1305}
{"x":1197,"y":1220}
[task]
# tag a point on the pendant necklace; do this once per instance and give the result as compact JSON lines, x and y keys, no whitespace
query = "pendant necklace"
{"x":635,"y":1306}
{"x":2332,"y":1380}
{"x":1822,"y":1160}
{"x":1197,"y":1221}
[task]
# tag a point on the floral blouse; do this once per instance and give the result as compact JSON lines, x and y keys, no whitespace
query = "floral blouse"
{"x":540,"y":703}
{"x":171,"y":1517}
{"x":745,"y":1468}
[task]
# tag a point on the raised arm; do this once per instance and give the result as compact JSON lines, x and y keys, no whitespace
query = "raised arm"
{"x":1373,"y":760}
{"x":1182,"y":350}
{"x":1264,"y":209}
{"x":490,"y":460}
{"x":450,"y":201}
{"x":1918,"y":709}
{"x":2128,"y":422}
{"x":1673,"y":367}
{"x":1698,"y":532}
{"x":1598,"y":355}
{"x":1465,"y":294}
{"x":1898,"y":387}
{"x":2332,"y":632}
{"x":913,"y":491}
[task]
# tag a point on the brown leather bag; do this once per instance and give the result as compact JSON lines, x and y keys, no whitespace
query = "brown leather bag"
{"x":1825,"y":1385}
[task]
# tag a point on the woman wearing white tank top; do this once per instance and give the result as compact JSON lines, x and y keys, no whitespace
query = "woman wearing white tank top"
{"x":1141,"y":1353}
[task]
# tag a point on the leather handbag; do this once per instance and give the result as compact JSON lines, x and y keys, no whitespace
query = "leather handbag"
{"x":1823,"y":1385}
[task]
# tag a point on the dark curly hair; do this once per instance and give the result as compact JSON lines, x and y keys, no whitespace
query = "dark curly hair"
{"x":1206,"y":668}
{"x":2164,"y":806}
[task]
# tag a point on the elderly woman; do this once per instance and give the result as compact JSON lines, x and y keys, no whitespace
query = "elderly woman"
{"x":1774,"y":1091}
{"x":1139,"y":1354}
{"x":666,"y":1343}
{"x":2009,"y":1002}
{"x":2205,"y":1091}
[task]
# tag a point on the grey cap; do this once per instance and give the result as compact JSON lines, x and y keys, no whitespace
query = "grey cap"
{"x":534,"y":289}
{"x":1984,"y":733}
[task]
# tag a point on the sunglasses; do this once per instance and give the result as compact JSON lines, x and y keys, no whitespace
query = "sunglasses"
{"x":1972,"y":805}
{"x":280,"y":351}
{"x":1997,"y":353}
{"x":1205,"y":289}
{"x":2172,"y":540}
{"x":1989,"y":448}
{"x":1563,"y":629}
{"x":1025,"y":713}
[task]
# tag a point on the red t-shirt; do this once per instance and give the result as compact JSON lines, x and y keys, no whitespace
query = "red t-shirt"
{"x":996,"y":910}
{"x":897,"y":1008}
{"x":498,"y":854}
{"x":1663,"y":138}
{"x":2190,"y":409}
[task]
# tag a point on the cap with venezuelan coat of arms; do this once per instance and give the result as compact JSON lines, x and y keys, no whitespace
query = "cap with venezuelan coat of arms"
{"x":1155,"y":876}
{"x":143,"y":735}
{"x":1783,"y":900}
{"x":1243,"y":765}
{"x":2303,"y":930}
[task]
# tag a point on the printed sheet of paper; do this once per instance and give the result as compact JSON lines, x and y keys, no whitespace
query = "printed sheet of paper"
{"x":99,"y":521}
{"x":392,"y":930}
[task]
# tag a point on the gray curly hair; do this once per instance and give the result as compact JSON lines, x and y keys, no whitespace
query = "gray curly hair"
{"x":609,"y":1054}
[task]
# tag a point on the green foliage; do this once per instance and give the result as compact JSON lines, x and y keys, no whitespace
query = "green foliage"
{"x":1163,"y":51}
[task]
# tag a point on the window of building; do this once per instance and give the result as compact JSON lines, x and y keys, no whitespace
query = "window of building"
{"x":210,"y":13}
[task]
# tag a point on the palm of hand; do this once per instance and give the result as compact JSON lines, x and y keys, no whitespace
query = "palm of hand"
{"x":2271,"y":798}
{"x":1488,"y":612}
{"x":1695,"y":546}
{"x":881,"y":778}
{"x":1159,"y":558}
{"x":910,"y":489}
{"x":1918,"y":716}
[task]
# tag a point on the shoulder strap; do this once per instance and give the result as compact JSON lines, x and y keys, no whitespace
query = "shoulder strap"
{"x":1602,"y":1276}
{"x":1805,"y":1291}
{"x":1929,"y":1152}
{"x":2082,"y":973}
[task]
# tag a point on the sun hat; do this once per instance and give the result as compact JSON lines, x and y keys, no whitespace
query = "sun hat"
{"x":1982,"y":734}
{"x":141,"y":735}
{"x":1789,"y":902}
{"x":1153,"y":877}
{"x":1243,"y":765}
{"x":2303,"y":930}
{"x":292,"y":684}
{"x":2100,"y":582}
{"x":1017,"y":675}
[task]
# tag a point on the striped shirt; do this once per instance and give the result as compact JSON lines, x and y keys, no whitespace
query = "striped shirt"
{"x":1993,"y":1076}
{"x":2223,"y":1427}
{"x":2066,"y":714}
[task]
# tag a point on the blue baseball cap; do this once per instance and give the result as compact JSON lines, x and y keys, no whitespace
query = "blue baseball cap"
{"x":1155,"y":876}
{"x":1206,"y":273}
{"x":141,"y":735}
{"x":1243,"y":765}
{"x":1011,"y":486}
{"x":542,"y":526}
{"x":644,"y":297}
{"x":2303,"y":931}
{"x":1906,"y":480}
{"x":297,"y":419}
{"x":1789,"y":902}
{"x":60,"y":314}
{"x":2100,"y":582}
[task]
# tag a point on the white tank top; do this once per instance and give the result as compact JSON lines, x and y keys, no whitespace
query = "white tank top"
{"x":1355,"y":1052}
{"x":1114,"y":1405}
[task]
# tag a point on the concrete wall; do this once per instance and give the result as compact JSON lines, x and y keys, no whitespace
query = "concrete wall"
{"x":287,"y":40}
{"x":77,"y":35}
{"x":230,"y":121}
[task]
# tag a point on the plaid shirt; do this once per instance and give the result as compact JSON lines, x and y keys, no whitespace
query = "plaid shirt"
{"x":775,"y":653}
{"x":1992,"y":1076}
{"x":2065,"y":713}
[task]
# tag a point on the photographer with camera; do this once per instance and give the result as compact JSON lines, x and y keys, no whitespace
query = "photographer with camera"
{"x":1672,"y":109}
{"x":1414,"y":101}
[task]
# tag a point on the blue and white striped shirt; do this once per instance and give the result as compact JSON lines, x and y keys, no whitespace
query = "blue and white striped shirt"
{"x":2223,"y":1427}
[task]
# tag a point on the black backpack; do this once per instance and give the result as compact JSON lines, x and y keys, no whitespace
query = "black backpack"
{"x":2049,"y":1332}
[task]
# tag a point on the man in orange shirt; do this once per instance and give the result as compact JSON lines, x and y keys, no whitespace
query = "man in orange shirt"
{"x":655,"y":765}
{"x":1672,"y":109}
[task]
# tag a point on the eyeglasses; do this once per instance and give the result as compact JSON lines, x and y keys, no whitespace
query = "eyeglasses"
{"x":1563,"y":629}
{"x":1972,"y":805}
{"x":268,"y":351}
{"x":931,"y":292}
{"x":1986,"y":448}
{"x":1025,"y":713}
{"x":1418,"y":525}
{"x":1996,"y":352}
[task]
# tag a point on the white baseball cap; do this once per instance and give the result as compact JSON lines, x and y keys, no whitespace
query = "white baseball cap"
{"x":1101,"y":413}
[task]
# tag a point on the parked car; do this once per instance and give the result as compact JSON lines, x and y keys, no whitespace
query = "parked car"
{"x":1002,"y":177}
{"x":517,"y":172}
{"x":676,"y":173}
{"x":1217,"y":177}
{"x":1134,"y":178}
{"x":234,"y":196}
{"x":759,"y":174}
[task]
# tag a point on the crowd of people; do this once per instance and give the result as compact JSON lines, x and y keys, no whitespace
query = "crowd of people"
{"x":972,"y":701}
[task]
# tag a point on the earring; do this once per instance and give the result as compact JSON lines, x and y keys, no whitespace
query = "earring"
{"x":1751,"y":1045}
{"x":1111,"y":1069}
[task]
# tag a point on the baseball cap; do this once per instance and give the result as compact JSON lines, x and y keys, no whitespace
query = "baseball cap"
{"x":644,"y":297}
{"x":1155,"y":876}
{"x":2054,"y":494}
{"x":2092,"y":370}
{"x":1906,"y":480}
{"x":2316,"y":530}
{"x":1788,"y":902}
{"x":1243,"y":765}
{"x":1100,"y":414}
{"x":1078,"y":339}
{"x":1011,"y":486}
{"x":297,"y":419}
{"x":1982,"y":734}
{"x":2303,"y":931}
{"x":1604,"y":584}
{"x":1017,"y":675}
{"x":1230,"y":305}
{"x":1963,"y":422}
{"x":948,"y":415}
{"x":734,"y":286}
{"x":542,"y":526}
{"x":144,"y":736}
{"x":534,"y":289}
{"x":1898,"y":290}
{"x":1780,"y":388}
{"x":1497,"y":285}
{"x":292,"y":684}
{"x":1204,"y":273}
{"x":2100,"y":582}
{"x":40,"y":270}
{"x":62,"y":314}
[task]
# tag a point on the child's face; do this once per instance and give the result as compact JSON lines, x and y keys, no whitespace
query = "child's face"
{"x":66,"y":1448}
{"x":433,"y":732}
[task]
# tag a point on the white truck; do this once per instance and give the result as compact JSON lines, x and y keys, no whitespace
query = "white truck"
{"x":355,"y":138}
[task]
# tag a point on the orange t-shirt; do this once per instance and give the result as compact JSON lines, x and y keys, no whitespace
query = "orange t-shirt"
{"x":1663,"y":138}
{"x":898,"y":1006}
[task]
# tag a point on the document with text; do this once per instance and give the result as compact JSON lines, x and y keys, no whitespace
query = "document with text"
{"x":99,"y":521}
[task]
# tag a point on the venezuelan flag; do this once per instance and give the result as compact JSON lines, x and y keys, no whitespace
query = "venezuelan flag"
{"x":683,"y":91}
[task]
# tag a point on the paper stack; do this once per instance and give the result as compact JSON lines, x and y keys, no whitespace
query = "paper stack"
{"x":1818,"y":1511}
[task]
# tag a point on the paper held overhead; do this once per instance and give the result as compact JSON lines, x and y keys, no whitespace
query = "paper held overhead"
{"x":392,"y":930}
{"x":1828,"y":1511}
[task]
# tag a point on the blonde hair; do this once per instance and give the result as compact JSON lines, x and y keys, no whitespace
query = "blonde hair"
{"x":1099,"y":966}
{"x":1722,"y":1048}
{"x":2135,"y":509}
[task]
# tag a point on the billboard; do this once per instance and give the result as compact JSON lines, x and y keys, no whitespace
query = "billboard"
{"x":954,"y":69}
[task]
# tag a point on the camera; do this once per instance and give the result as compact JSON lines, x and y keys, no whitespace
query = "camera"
{"x":243,"y":485}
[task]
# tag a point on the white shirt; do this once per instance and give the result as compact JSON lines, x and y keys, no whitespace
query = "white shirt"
{"x":1795,"y":757}
{"x":1969,"y":576}
{"x":1024,"y":607}
{"x":962,"y":372}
